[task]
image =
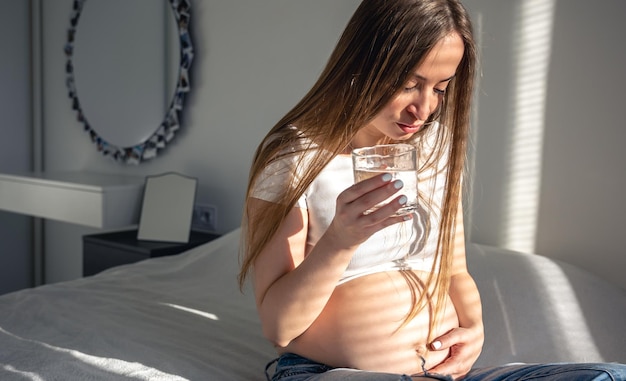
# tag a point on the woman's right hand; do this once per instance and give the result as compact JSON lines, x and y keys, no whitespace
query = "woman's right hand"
{"x":351,"y":226}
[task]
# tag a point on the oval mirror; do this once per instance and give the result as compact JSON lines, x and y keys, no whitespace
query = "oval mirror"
{"x":127,"y":73}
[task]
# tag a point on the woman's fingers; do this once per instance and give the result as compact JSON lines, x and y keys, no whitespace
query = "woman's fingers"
{"x":362,"y":197}
{"x":355,"y":216}
{"x":361,"y":188}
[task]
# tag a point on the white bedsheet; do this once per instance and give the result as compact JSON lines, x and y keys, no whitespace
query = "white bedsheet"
{"x":184,"y":318}
{"x":169,"y":318}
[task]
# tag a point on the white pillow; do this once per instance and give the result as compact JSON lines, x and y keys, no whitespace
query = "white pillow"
{"x":536,"y":309}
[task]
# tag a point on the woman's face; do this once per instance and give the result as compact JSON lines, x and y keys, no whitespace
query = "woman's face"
{"x":422,"y":94}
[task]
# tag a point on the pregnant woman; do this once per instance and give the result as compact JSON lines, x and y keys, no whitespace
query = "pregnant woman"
{"x":344,"y":294}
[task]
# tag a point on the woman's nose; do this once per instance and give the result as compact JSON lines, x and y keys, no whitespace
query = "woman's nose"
{"x":422,"y":106}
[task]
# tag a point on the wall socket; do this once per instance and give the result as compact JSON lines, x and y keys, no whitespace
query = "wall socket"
{"x":204,"y":218}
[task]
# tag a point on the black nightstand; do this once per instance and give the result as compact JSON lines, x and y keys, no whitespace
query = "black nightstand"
{"x":106,"y":250}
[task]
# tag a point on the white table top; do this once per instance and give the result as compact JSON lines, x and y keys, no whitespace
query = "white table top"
{"x":85,"y":198}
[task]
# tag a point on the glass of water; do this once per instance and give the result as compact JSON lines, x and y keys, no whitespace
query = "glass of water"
{"x":399,"y":160}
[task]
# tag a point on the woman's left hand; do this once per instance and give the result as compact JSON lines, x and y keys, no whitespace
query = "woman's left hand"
{"x":465,"y":345}
{"x":465,"y":342}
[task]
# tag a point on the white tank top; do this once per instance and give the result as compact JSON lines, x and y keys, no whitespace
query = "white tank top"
{"x":398,"y":247}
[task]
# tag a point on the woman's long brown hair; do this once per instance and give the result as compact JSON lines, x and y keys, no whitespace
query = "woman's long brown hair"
{"x":382,"y":44}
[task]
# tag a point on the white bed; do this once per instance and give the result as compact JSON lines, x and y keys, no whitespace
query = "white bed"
{"x":183,"y":318}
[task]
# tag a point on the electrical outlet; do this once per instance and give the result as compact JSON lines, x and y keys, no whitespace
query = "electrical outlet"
{"x":204,"y":218}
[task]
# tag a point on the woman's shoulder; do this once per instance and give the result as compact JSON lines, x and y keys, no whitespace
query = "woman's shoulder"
{"x":289,"y":154}
{"x":289,"y":141}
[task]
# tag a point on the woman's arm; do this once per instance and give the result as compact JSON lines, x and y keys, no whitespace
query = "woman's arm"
{"x":294,"y":282}
{"x":465,"y":342}
{"x":291,"y":287}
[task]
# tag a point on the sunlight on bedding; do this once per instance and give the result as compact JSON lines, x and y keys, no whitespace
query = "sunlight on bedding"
{"x":533,"y":41}
{"x":109,"y":366}
{"x":193,"y":311}
{"x":27,"y":375}
{"x":569,"y":324}
{"x":507,"y":319}
{"x":123,"y":368}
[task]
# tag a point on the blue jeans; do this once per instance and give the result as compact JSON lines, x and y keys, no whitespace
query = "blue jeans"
{"x":291,"y":367}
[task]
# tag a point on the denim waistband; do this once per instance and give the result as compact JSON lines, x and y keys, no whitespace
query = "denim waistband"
{"x":289,"y":364}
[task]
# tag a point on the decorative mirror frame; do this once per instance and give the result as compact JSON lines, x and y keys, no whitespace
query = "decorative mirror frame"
{"x":166,"y":130}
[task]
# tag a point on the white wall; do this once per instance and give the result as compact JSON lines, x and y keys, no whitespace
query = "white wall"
{"x":15,"y":136}
{"x":255,"y":60}
{"x":582,"y":205}
{"x":566,"y":201}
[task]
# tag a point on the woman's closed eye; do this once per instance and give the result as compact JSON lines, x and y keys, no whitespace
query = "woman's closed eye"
{"x":416,"y":86}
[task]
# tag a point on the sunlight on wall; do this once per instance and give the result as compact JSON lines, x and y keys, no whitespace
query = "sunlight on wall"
{"x":468,"y":191}
{"x":533,"y":45}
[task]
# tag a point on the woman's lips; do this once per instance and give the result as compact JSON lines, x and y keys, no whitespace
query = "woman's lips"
{"x":409,"y":128}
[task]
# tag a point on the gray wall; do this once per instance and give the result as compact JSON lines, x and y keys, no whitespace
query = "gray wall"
{"x":256,"y":59}
{"x":15,"y":137}
{"x":253,"y":61}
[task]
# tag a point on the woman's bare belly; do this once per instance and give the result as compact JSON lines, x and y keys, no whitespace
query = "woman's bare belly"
{"x":362,"y":327}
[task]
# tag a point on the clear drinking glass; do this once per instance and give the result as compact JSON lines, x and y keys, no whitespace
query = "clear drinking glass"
{"x":399,"y":160}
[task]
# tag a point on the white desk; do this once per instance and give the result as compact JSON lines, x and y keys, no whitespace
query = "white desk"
{"x":84,"y":198}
